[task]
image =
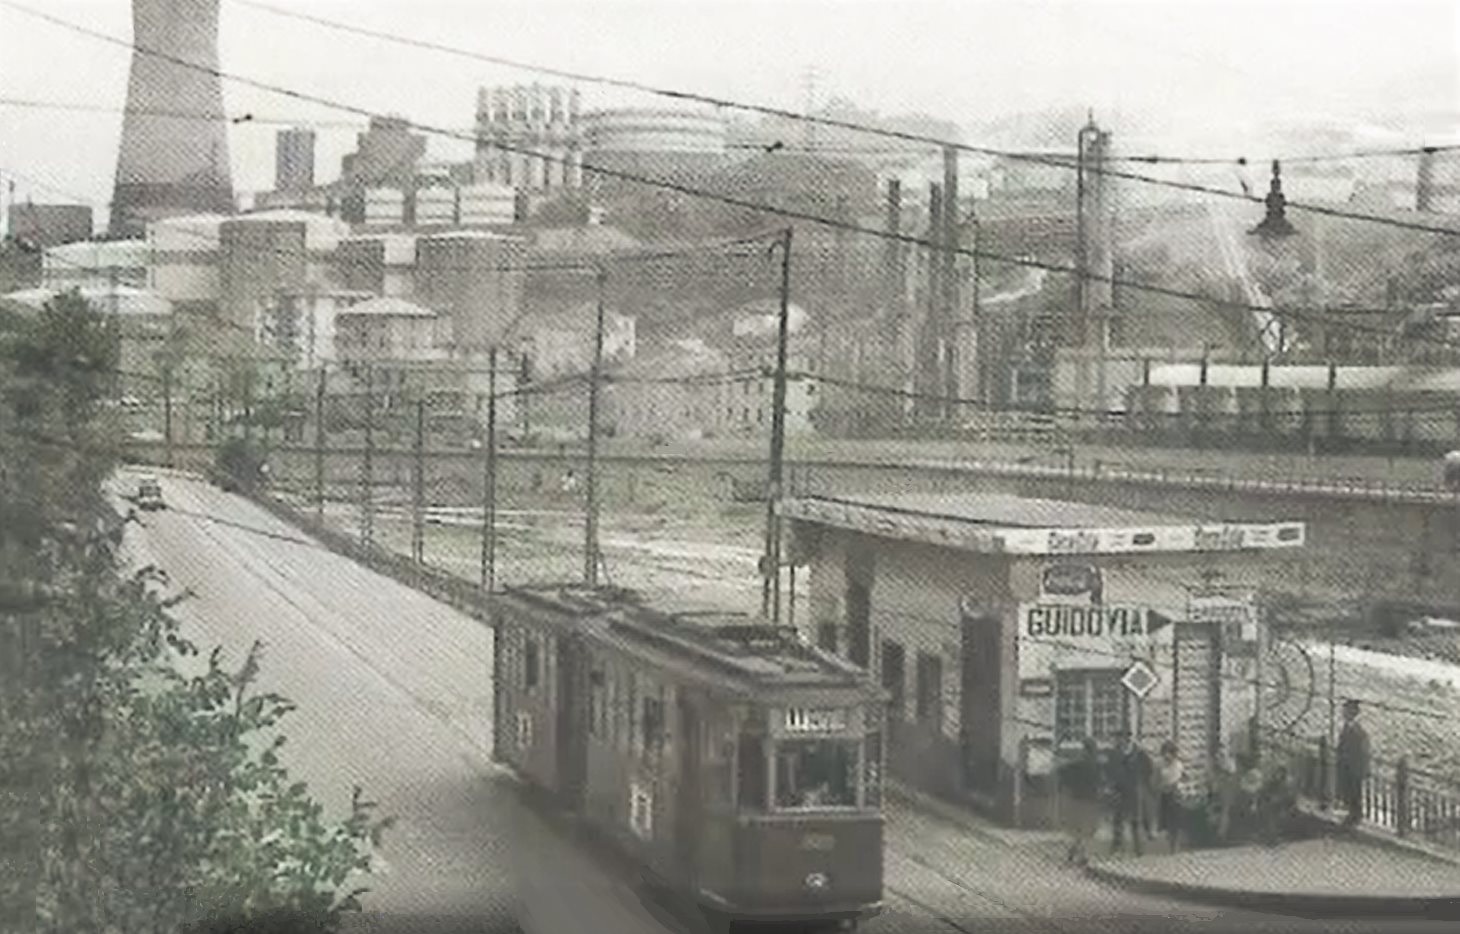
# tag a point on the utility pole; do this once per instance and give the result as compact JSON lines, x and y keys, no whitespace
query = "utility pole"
{"x":770,"y":602}
{"x":489,"y":485}
{"x":367,"y":526}
{"x":950,"y":326}
{"x":590,"y":524}
{"x":319,"y":391}
{"x":418,"y":499}
{"x":167,"y":413}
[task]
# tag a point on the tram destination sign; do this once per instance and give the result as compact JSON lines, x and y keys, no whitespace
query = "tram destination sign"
{"x":815,"y":719}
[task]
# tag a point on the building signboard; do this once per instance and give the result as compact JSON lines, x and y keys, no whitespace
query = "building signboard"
{"x":1073,"y":580}
{"x":1055,"y":636}
{"x":968,"y":535}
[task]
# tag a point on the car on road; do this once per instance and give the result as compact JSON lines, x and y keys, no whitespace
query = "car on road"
{"x":149,"y":494}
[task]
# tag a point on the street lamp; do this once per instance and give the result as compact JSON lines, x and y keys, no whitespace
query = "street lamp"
{"x":1275,"y":224}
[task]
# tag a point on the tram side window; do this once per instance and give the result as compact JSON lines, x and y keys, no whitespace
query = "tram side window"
{"x":597,"y":704}
{"x":751,"y":777}
{"x":653,"y":726}
{"x":816,"y":773}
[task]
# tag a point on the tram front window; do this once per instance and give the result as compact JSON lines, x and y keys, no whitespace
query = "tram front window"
{"x":816,"y":773}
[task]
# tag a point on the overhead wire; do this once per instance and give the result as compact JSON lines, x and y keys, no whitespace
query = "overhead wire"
{"x":688,"y":190}
{"x":833,"y":123}
{"x":250,"y":118}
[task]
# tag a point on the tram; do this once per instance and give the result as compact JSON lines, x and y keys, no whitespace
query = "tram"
{"x":736,"y":767}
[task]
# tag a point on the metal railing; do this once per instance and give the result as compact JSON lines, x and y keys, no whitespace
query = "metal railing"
{"x":1346,"y":487}
{"x":1408,"y":802}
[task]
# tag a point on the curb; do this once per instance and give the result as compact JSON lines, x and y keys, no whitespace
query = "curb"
{"x":1301,"y":904}
{"x":1381,"y":838}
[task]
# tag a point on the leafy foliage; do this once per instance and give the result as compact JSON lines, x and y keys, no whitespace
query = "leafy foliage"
{"x":141,"y":787}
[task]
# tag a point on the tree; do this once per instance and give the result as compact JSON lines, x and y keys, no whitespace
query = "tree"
{"x":135,"y":795}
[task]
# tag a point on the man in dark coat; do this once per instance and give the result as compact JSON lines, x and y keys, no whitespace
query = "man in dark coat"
{"x":1353,"y":763}
{"x":1130,"y":774}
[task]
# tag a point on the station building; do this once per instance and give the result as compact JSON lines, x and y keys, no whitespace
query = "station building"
{"x":1006,"y":630}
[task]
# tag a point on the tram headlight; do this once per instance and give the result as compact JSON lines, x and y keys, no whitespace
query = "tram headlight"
{"x":817,"y":881}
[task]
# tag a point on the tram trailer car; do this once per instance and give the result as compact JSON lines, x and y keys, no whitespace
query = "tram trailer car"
{"x":737,"y":767}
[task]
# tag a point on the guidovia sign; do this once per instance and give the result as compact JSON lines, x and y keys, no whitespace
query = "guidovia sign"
{"x":1061,"y":635}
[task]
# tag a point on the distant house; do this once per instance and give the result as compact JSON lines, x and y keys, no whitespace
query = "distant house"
{"x":669,"y":394}
{"x":745,"y":407}
{"x":396,"y":353}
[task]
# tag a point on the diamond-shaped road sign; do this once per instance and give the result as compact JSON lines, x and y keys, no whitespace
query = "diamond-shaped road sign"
{"x":1140,"y":679}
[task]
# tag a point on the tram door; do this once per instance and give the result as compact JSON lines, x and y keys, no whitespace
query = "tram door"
{"x":982,"y":708}
{"x":572,"y":730}
{"x":689,"y":812}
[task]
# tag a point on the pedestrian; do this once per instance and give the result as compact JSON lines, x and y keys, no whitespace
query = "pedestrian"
{"x":1080,"y":783}
{"x":1130,"y":775}
{"x":1168,"y":775}
{"x":1353,"y":763}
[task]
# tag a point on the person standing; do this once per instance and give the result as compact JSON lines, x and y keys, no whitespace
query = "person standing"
{"x":1081,"y":785}
{"x":1169,"y":771}
{"x":1130,"y":775}
{"x":1353,"y":763}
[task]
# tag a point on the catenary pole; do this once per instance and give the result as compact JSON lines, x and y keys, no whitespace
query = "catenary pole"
{"x":489,"y":485}
{"x":590,"y":525}
{"x":418,"y":498}
{"x":319,"y":441}
{"x":367,"y":527}
{"x":771,"y":562}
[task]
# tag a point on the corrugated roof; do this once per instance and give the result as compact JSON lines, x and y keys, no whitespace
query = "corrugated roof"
{"x":121,"y":299}
{"x":1005,"y":511}
{"x":1397,"y":378}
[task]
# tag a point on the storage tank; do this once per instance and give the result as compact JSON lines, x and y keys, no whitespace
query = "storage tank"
{"x":184,"y":257}
{"x":435,"y":207}
{"x":272,"y":251}
{"x":488,"y":204}
{"x":475,"y":278}
{"x":385,"y":207}
{"x":382,"y":264}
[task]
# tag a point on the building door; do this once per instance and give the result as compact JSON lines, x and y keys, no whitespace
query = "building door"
{"x":859,"y":576}
{"x":689,"y":811}
{"x":572,"y":738}
{"x":859,"y":623}
{"x":1196,"y":697}
{"x":894,"y":681}
{"x":982,"y":702}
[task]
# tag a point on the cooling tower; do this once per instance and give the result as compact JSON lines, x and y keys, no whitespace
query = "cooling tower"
{"x":174,"y":152}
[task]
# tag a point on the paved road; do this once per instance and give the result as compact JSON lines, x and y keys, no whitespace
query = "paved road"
{"x":395,"y":695}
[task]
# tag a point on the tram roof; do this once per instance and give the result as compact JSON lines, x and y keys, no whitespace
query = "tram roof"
{"x":731,"y":650}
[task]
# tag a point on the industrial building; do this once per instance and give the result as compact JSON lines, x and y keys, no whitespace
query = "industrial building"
{"x":271,"y":251}
{"x":48,"y":225}
{"x":294,"y":159}
{"x":1007,"y":630}
{"x":659,"y":142}
{"x":475,"y":279}
{"x":96,"y":263}
{"x":183,"y":256}
{"x":542,"y":121}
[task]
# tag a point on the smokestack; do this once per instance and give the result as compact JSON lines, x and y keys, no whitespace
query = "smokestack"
{"x":1424,"y":189}
{"x":174,"y":152}
{"x":894,"y":283}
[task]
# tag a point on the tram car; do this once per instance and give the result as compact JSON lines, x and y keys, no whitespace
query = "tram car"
{"x":736,"y":767}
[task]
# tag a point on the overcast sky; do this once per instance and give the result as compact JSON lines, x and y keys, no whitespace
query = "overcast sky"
{"x":1195,"y":72}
